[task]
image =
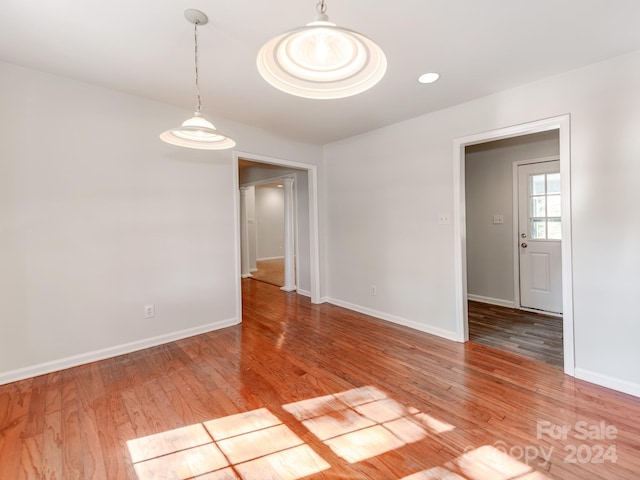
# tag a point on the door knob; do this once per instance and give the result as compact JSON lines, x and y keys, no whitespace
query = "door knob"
{"x":524,"y":245}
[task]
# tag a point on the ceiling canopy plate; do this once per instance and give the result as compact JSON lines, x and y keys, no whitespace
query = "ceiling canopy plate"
{"x":195,"y":16}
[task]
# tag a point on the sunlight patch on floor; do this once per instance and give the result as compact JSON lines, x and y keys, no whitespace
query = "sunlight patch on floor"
{"x":435,"y":473}
{"x":241,"y":423}
{"x":182,"y":464}
{"x":356,"y":424}
{"x":483,"y":463}
{"x":363,"y":422}
{"x":165,"y":443}
{"x":433,"y":424}
{"x":254,"y":444}
{"x":289,"y":464}
{"x":489,"y":463}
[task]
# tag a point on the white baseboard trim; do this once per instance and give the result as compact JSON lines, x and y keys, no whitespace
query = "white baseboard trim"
{"x":439,"y":332}
{"x":617,"y":384}
{"x":269,"y":258}
{"x":83,"y":358}
{"x":491,"y":301}
{"x":304,"y":292}
{"x":251,"y":270}
{"x":247,"y":275}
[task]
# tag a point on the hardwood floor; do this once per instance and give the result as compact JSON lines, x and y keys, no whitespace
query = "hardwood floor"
{"x":531,"y":335}
{"x":315,"y":391}
{"x":270,"y":271}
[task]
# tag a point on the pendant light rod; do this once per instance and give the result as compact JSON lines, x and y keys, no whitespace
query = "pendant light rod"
{"x":197,"y":132}
{"x":197,"y":18}
{"x":321,"y":8}
{"x":195,"y":37}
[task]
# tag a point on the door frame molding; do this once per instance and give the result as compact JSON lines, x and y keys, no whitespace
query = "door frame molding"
{"x":314,"y":244}
{"x":562,"y":124}
{"x":516,"y":224}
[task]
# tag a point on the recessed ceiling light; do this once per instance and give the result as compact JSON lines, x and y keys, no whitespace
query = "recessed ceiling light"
{"x":428,"y":77}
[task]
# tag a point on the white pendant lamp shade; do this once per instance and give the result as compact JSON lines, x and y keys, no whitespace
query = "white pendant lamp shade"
{"x":197,"y":131}
{"x":322,"y":60}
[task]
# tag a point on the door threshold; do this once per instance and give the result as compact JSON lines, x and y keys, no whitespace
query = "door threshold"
{"x":543,"y":312}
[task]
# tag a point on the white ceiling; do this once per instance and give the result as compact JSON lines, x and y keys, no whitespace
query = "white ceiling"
{"x":145,"y":47}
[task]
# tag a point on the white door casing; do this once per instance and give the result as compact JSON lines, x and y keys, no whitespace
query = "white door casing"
{"x":289,"y":240}
{"x":314,"y":243}
{"x":540,"y":236}
{"x":563,"y":124}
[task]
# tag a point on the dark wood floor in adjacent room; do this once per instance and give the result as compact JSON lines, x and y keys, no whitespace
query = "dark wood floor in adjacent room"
{"x":315,"y":391}
{"x":531,"y":335}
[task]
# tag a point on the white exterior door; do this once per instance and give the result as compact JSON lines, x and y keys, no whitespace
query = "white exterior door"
{"x":540,"y":236}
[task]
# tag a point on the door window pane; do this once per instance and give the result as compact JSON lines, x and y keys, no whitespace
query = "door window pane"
{"x":545,"y":207}
{"x":553,"y":183}
{"x":537,"y":184}
{"x":554,"y":227}
{"x":538,"y":229}
{"x":538,"y":207}
{"x":553,"y":206}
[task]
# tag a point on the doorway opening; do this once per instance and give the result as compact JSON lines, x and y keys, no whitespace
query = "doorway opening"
{"x":263,"y":259}
{"x":463,"y":269}
{"x":513,"y":218}
{"x":261,"y":170}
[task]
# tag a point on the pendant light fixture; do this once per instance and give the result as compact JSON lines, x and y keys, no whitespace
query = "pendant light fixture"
{"x":197,"y":132}
{"x":322,"y":60}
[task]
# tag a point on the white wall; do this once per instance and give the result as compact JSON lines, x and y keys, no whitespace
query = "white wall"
{"x":99,"y":217}
{"x":384,"y":191}
{"x":489,"y":191}
{"x":270,"y":221}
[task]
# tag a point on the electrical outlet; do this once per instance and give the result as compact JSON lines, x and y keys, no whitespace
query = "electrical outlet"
{"x":498,"y":219}
{"x":443,"y":219}
{"x":149,"y":311}
{"x":374,"y":290}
